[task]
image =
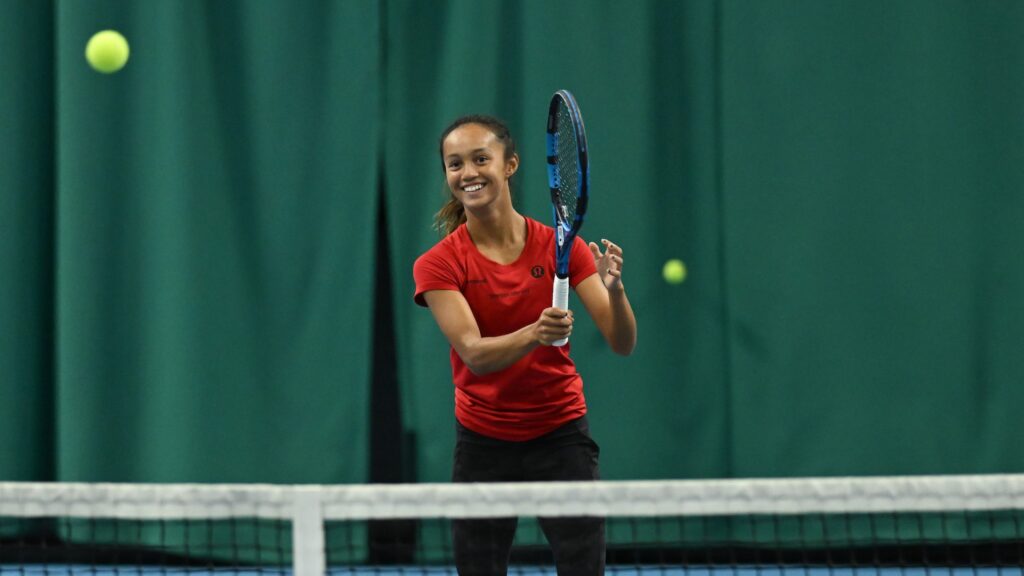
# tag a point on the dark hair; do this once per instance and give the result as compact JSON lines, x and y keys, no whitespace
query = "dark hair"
{"x":452,"y":214}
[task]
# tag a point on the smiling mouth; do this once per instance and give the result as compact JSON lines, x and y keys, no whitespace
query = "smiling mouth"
{"x":472,"y":188}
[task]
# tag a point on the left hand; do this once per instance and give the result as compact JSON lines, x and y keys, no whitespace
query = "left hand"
{"x":609,"y":264}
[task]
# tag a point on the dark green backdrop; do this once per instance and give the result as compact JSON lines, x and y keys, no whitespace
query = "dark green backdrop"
{"x":189,"y":247}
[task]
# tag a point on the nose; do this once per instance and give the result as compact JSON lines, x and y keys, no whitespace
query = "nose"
{"x":469,"y":171}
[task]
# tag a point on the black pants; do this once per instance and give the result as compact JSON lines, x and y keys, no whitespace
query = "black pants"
{"x":482,"y":547}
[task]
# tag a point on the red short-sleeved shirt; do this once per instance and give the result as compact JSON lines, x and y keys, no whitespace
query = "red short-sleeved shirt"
{"x":542,"y":390}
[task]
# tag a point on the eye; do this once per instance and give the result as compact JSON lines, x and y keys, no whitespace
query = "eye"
{"x":454,"y":165}
{"x":482,"y":159}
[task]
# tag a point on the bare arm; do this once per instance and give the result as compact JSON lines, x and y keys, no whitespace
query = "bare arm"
{"x":604,"y":296}
{"x":491,"y":354}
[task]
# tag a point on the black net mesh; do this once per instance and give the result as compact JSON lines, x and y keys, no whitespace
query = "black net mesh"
{"x":71,"y":545}
{"x":798,"y":527}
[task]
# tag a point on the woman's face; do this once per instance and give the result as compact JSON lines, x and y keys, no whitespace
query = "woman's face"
{"x":475,"y":165}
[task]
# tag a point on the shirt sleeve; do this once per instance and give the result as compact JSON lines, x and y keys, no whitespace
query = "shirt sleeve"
{"x":434,"y":271}
{"x":581,"y":262}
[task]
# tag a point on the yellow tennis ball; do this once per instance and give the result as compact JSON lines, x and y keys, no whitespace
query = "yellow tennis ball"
{"x":107,"y":51}
{"x":674,"y":271}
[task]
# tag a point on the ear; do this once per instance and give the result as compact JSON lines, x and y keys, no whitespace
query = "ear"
{"x":511,"y":165}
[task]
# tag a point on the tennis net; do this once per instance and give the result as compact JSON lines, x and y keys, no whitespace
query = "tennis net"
{"x":807,"y":526}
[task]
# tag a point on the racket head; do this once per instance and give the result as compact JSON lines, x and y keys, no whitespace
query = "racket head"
{"x":568,"y":174}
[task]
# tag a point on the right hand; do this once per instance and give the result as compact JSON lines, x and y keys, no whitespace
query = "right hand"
{"x":553,"y":325}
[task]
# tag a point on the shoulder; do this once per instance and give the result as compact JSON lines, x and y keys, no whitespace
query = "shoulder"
{"x":539,"y":232}
{"x":442,"y":267}
{"x":446,"y":249}
{"x":445,"y":260}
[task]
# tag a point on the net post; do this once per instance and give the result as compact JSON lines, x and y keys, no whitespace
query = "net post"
{"x":308,"y":554}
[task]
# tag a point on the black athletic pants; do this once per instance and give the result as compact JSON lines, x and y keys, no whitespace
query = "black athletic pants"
{"x":482,"y":546}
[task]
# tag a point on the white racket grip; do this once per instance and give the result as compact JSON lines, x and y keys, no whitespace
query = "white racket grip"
{"x":560,"y":299}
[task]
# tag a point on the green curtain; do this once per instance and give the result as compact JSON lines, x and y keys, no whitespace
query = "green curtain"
{"x":189,"y":245}
{"x":26,"y":241}
{"x":842,"y":178}
{"x":873,"y":156}
{"x":214,"y":243}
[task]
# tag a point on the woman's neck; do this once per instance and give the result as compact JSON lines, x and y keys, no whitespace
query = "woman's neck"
{"x":497,"y":228}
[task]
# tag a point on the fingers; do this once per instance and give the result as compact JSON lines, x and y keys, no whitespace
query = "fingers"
{"x":554,"y":324}
{"x":613,"y":254}
{"x":556,"y":317}
{"x":612,"y":248}
{"x":609,"y":264}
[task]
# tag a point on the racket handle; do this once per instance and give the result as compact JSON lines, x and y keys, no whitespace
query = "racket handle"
{"x":560,"y":299}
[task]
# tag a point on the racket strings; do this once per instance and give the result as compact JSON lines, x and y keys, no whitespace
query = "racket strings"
{"x":568,"y":168}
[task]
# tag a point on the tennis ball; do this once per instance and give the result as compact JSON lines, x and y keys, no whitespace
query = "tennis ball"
{"x":107,"y":51}
{"x":674,"y":271}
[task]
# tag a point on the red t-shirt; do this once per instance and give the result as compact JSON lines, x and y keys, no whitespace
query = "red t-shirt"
{"x":542,"y":390}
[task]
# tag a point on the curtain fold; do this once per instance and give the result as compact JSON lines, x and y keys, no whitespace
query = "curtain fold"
{"x":872,"y":158}
{"x":26,"y":241}
{"x":216,"y":242}
{"x":188,"y":246}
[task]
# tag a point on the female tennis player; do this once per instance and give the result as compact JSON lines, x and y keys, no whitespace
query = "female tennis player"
{"x":519,"y":406}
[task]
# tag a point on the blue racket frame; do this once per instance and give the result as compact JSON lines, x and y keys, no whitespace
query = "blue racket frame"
{"x":565,"y":231}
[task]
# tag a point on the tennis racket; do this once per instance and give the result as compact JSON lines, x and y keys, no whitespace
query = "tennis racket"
{"x":569,"y":181}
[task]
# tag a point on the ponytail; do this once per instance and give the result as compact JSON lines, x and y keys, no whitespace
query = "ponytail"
{"x":450,"y":216}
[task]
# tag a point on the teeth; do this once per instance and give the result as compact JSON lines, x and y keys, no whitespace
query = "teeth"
{"x":473,"y":188}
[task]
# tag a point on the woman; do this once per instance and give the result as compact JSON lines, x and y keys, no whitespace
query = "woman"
{"x":519,"y":406}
